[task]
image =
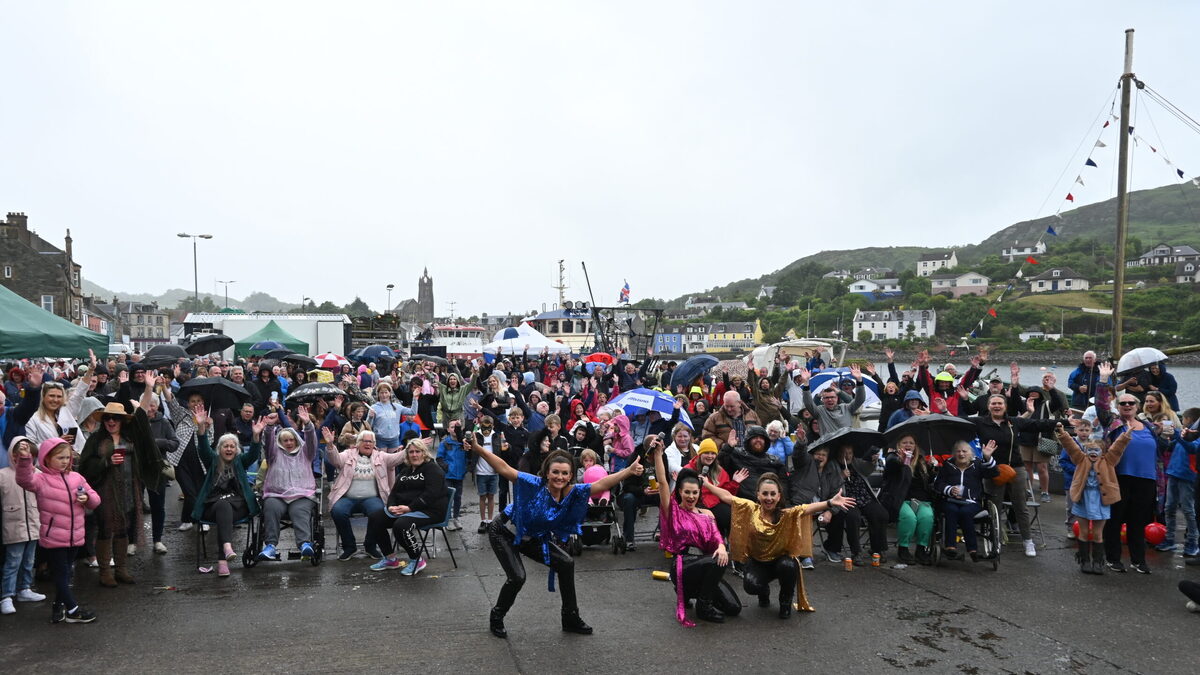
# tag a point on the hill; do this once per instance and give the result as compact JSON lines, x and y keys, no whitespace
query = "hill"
{"x":1170,"y":213}
{"x":255,"y":302}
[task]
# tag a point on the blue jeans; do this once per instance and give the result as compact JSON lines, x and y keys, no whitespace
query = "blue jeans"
{"x":1181,"y":494}
{"x":18,"y":567}
{"x":341,"y":512}
{"x":456,"y":507}
{"x":630,"y":503}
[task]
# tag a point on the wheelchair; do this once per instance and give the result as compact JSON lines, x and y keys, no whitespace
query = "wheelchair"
{"x":988,"y":532}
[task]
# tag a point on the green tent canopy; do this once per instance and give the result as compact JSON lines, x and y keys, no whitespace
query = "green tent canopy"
{"x":270,"y":332}
{"x":28,"y":331}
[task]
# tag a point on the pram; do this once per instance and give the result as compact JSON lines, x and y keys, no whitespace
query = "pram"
{"x":987,"y":531}
{"x":599,"y":527}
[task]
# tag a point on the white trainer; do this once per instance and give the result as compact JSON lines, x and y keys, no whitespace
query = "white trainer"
{"x":29,"y":595}
{"x":131,"y":549}
{"x":160,"y":548}
{"x":6,"y":606}
{"x":184,"y":527}
{"x":1030,"y":549}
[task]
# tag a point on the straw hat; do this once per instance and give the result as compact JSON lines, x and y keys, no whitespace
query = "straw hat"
{"x":115,"y":409}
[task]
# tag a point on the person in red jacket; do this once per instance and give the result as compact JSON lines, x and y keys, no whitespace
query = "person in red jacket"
{"x":705,"y":464}
{"x":943,"y":388}
{"x":62,"y":496}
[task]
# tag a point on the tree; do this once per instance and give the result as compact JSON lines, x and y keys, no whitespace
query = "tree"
{"x":864,"y":335}
{"x":358,"y":308}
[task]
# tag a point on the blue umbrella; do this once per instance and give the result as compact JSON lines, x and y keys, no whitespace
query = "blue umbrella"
{"x":687,"y":372}
{"x":508,"y":334}
{"x":638,"y":401}
{"x":831,"y":376}
{"x":266,"y":346}
{"x":376,"y":353}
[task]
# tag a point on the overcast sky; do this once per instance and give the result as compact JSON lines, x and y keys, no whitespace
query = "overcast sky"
{"x":333,"y":148}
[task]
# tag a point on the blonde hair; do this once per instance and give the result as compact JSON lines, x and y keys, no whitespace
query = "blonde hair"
{"x":589,"y":453}
{"x":289,"y":432}
{"x":420,"y":443}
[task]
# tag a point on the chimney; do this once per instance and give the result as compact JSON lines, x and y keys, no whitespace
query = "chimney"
{"x":67,"y":239}
{"x":18,"y":219}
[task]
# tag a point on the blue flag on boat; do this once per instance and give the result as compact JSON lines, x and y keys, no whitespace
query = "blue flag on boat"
{"x":1050,"y":230}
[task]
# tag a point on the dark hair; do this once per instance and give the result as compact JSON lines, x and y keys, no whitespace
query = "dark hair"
{"x":686,"y":475}
{"x":557,"y":457}
{"x":768,"y":477}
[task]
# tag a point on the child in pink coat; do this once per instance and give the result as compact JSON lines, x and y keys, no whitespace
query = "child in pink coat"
{"x":61,"y":495}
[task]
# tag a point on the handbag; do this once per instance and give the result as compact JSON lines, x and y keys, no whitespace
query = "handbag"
{"x":1047,"y":446}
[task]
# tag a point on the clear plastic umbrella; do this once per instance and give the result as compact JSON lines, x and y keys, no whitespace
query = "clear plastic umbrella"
{"x":1137,"y":359}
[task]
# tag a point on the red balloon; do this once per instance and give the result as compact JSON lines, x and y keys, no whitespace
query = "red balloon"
{"x":1075,"y":528}
{"x":1156,"y":533}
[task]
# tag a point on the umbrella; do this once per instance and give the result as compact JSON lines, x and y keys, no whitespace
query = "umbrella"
{"x":863,"y":440}
{"x":827,"y":378}
{"x":600,"y":357}
{"x":936,"y":434}
{"x":430,"y":357}
{"x":166,"y":351}
{"x":637,"y":401}
{"x":1138,"y":359}
{"x":218,"y":392}
{"x":266,"y":346}
{"x":507,"y":334}
{"x":687,"y":372}
{"x":307,"y":393}
{"x":300,"y":360}
{"x":376,"y":353}
{"x":208,"y":343}
{"x":331,"y":361}
{"x":278,"y":354}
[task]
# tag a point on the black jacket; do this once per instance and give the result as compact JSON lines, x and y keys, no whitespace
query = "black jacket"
{"x":809,"y":483}
{"x":1007,"y":435}
{"x":901,"y":483}
{"x":421,"y":488}
{"x":732,"y":459}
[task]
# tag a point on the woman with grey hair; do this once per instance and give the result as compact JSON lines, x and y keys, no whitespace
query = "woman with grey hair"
{"x":289,"y":486}
{"x":226,"y":497}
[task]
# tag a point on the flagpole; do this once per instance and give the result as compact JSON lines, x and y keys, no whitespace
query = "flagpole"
{"x":1127,"y":83}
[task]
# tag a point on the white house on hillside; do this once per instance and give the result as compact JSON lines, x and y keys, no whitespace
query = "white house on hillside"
{"x":876,"y":287}
{"x":894,"y":324}
{"x":1058,"y":279}
{"x":1187,"y":271}
{"x":1023,"y":249}
{"x":929,"y":263}
{"x":958,"y":285}
{"x":1164,"y":254}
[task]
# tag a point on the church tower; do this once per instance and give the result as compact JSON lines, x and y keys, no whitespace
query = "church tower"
{"x":425,"y":298}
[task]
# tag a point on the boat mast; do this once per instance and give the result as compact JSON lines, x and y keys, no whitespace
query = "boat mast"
{"x":1127,"y":83}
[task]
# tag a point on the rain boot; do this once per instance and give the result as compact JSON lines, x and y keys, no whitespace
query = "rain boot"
{"x":1084,"y":557}
{"x":496,"y":623}
{"x":1097,"y":557}
{"x":707,"y":612}
{"x":121,"y":557}
{"x":104,"y":553}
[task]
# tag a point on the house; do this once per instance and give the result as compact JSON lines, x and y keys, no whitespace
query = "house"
{"x":144,"y":323}
{"x":1164,"y":254}
{"x":1058,"y":279}
{"x":1187,"y":271}
{"x":837,"y":274}
{"x":1036,"y":333}
{"x":877,"y":288}
{"x":669,"y":340}
{"x":99,"y":317}
{"x":958,"y":285}
{"x":733,"y":335}
{"x":765,"y":292}
{"x":929,"y":263}
{"x":695,"y":338}
{"x":896,"y":324}
{"x":707,"y":304}
{"x":39,"y":271}
{"x":1021,"y":250}
{"x":873,"y":273}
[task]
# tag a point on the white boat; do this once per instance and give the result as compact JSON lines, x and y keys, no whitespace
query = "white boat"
{"x":462,"y":341}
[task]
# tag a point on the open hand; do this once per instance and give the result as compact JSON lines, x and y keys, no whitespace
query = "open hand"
{"x":990,"y":448}
{"x":741,"y":474}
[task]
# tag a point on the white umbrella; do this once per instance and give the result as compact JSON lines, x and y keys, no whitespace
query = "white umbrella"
{"x":1137,"y":359}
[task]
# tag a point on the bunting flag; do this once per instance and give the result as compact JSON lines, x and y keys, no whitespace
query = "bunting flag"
{"x":1079,"y":179}
{"x":1131,"y":130}
{"x":974,"y":334}
{"x":1102,"y":144}
{"x":1070,"y":197}
{"x":624,"y":294}
{"x":1089,"y":162}
{"x":1058,"y":214}
{"x":1180,"y":172}
{"x":1020,"y":273}
{"x":1106,"y":123}
{"x":1050,"y":231}
{"x":992,"y":312}
{"x":1031,"y":260}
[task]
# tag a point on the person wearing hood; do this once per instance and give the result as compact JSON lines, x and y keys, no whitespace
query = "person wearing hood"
{"x":749,"y":454}
{"x":943,"y":387}
{"x":908,"y":494}
{"x":19,"y":525}
{"x":913,"y":405}
{"x":814,"y":479}
{"x":56,"y":416}
{"x":265,"y":384}
{"x":289,"y":486}
{"x":453,"y":395}
{"x":133,"y":388}
{"x":584,"y":436}
{"x":1156,"y":378}
{"x":119,"y":461}
{"x":768,"y":400}
{"x":832,"y":413}
{"x":13,"y":384}
{"x":62,"y":497}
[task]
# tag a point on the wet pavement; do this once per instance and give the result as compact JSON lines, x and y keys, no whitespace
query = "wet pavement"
{"x":1032,"y":616}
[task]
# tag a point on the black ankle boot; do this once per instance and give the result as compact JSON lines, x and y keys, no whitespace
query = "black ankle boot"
{"x":764,"y":600}
{"x":1097,"y":557}
{"x":496,"y":623}
{"x":707,"y":612}
{"x":923,"y":556}
{"x":1084,"y":557}
{"x":571,"y":623}
{"x":785,"y":608}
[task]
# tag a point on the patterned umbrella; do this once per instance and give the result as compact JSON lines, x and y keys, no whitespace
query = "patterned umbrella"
{"x":331,"y":361}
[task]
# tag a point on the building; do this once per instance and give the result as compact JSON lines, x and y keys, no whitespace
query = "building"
{"x":1058,"y":279}
{"x":1164,"y":254}
{"x":1186,"y":271}
{"x":695,"y":338}
{"x":39,"y":271}
{"x":929,"y":263}
{"x":733,"y":336}
{"x":958,"y":285}
{"x":419,"y":310}
{"x":704,"y":304}
{"x":873,"y":273}
{"x":99,"y":317}
{"x":896,"y":324}
{"x":877,"y":288}
{"x":1022,"y":249}
{"x":1036,"y":333}
{"x":837,"y":274}
{"x":669,"y":340}
{"x":500,"y":320}
{"x":765,"y":292}
{"x":322,"y":332}
{"x":145,"y":324}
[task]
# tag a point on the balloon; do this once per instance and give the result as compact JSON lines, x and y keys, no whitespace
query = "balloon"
{"x":1156,"y":533}
{"x":1123,"y":534}
{"x":1075,"y":528}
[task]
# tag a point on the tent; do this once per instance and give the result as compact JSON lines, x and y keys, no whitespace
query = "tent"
{"x":27,"y":330}
{"x":514,"y":341}
{"x":271,"y":331}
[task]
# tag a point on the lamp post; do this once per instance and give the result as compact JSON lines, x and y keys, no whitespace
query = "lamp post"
{"x":303,"y":300}
{"x":389,"y":302}
{"x":195,"y":266}
{"x":226,"y":284}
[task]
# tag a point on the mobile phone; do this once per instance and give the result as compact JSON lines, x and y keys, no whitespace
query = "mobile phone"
{"x":274,"y":397}
{"x":71,"y":431}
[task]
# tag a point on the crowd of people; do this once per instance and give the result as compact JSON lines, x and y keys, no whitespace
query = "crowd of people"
{"x":743,"y":471}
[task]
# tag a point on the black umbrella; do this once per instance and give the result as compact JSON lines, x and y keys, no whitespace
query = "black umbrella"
{"x":172,"y":351}
{"x":431,"y":358}
{"x":307,"y":393}
{"x":208,"y":344}
{"x":160,"y":361}
{"x":864,"y":441}
{"x":277,"y":353}
{"x":936,"y":434}
{"x":300,"y":360}
{"x":218,"y":392}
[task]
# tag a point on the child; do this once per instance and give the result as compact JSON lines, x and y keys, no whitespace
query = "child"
{"x":487,"y":481}
{"x":516,"y":438}
{"x":614,"y":426}
{"x":590,"y":471}
{"x":20,"y":527}
{"x":961,"y":481}
{"x":1093,"y":490}
{"x":61,"y":495}
{"x":452,"y":453}
{"x":1181,"y":486}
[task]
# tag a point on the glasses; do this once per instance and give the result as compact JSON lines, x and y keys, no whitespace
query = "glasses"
{"x":110,"y":418}
{"x":1126,"y":402}
{"x":53,"y":385}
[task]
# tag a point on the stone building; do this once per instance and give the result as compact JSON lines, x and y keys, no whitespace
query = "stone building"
{"x":39,"y":271}
{"x":145,"y":325}
{"x":420,"y":310}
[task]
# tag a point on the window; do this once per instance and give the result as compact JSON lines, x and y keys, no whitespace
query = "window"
{"x":141,"y":319}
{"x":75,"y":278}
{"x":1067,"y":283}
{"x":48,"y":303}
{"x":8,"y":271}
{"x":551,"y":326}
{"x":1056,"y":273}
{"x":580,"y":326}
{"x":160,"y":320}
{"x":158,"y":332}
{"x":567,"y":326}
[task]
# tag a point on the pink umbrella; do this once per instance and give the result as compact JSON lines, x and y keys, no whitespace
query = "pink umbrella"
{"x":331,"y":361}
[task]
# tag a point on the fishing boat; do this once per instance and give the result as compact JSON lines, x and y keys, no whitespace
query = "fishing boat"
{"x":461,"y":341}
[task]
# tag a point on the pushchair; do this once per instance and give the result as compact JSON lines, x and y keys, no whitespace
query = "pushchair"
{"x":599,"y":527}
{"x":987,"y":531}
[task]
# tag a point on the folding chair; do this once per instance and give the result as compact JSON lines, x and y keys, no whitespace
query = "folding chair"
{"x":428,"y":531}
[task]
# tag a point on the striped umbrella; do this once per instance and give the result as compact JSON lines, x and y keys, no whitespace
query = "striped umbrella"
{"x":331,"y":361}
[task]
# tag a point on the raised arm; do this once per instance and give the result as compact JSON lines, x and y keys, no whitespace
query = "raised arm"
{"x":611,"y":480}
{"x":498,"y":465}
{"x":719,"y":492}
{"x":664,"y":492}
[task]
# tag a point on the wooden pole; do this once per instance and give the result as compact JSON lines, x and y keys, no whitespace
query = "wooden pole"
{"x":1127,"y":84}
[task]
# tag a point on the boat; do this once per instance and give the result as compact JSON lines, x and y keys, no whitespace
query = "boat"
{"x":461,"y":341}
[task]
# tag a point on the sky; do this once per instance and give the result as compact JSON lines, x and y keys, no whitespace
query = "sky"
{"x":332,"y":149}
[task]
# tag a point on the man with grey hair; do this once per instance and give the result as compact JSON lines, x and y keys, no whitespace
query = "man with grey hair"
{"x":1083,"y":380}
{"x":832,"y":414}
{"x":733,"y":415}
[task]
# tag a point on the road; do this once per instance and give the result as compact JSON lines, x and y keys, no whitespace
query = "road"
{"x":1034,"y":615}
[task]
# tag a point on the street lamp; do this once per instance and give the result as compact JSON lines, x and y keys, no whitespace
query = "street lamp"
{"x":195,"y":267}
{"x":389,"y":302}
{"x":303,"y":300}
{"x":226,"y":283}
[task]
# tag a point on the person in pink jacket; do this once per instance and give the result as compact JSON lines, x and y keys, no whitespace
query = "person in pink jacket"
{"x":364,"y":480}
{"x":62,"y":496}
{"x":20,"y":526}
{"x":614,"y":426}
